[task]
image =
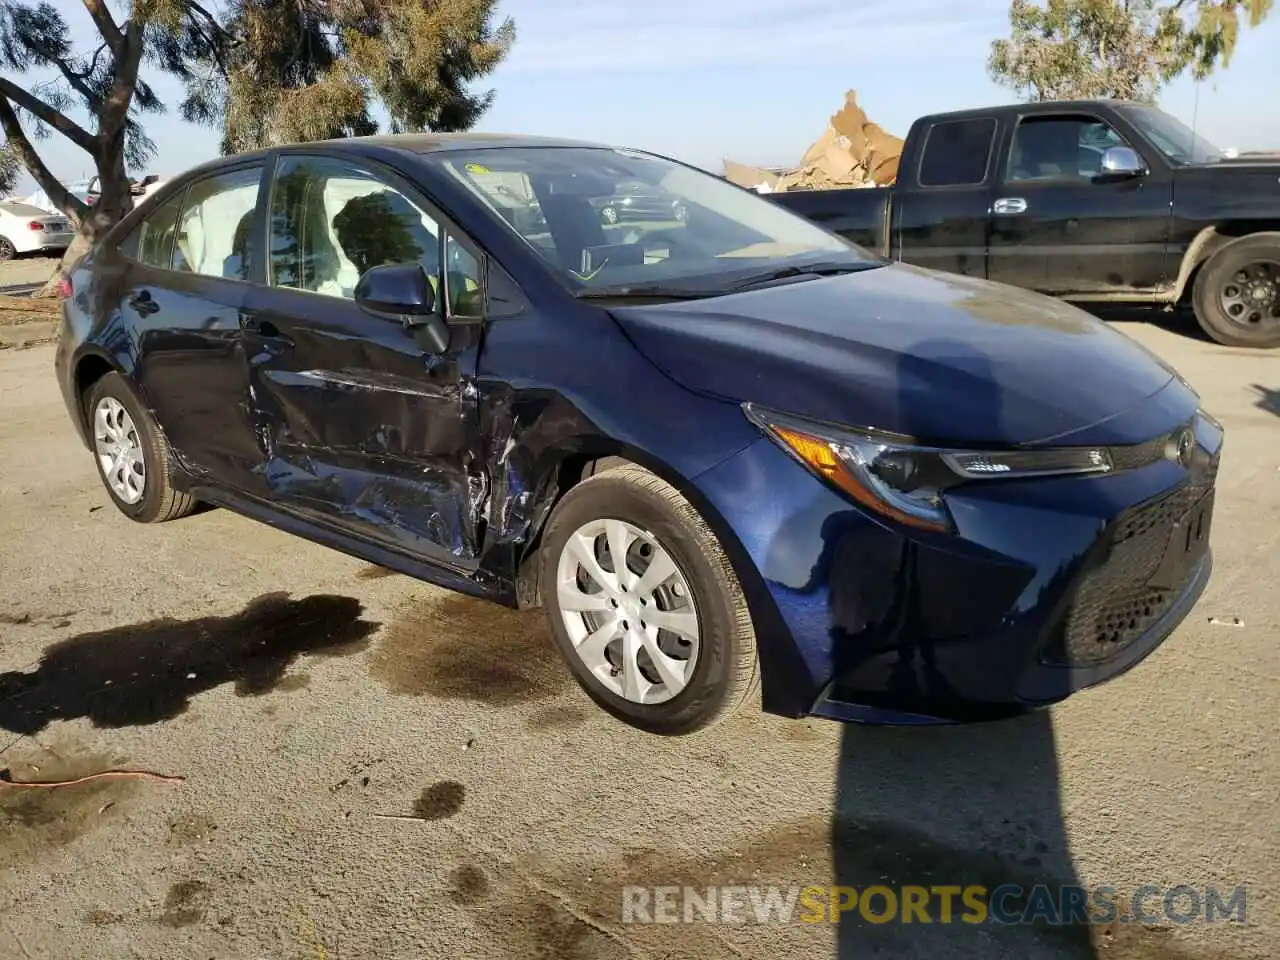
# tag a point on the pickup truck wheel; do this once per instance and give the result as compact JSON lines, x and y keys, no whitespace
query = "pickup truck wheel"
{"x":644,"y":605}
{"x":1237,"y":294}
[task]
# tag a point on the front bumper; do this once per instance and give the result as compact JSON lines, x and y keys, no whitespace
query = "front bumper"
{"x":1048,"y":586}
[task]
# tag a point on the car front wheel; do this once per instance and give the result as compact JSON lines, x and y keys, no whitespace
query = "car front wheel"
{"x":132,"y":456}
{"x":644,"y":604}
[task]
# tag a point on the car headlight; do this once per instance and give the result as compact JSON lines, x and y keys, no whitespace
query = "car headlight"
{"x":904,"y":480}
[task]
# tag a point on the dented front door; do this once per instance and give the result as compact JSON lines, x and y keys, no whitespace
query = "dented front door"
{"x":361,"y":428}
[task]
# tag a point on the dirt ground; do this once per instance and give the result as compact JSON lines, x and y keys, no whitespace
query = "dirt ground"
{"x":27,"y":269}
{"x":308,"y":700}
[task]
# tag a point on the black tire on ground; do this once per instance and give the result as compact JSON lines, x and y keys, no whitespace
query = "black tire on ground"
{"x":7,"y":249}
{"x":1218,"y":275}
{"x":726,"y":672}
{"x":609,"y":215}
{"x":160,"y":501}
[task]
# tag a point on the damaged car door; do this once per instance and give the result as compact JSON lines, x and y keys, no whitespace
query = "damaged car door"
{"x":364,"y":424}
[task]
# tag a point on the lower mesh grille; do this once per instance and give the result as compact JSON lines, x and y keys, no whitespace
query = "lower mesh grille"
{"x":1115,"y":604}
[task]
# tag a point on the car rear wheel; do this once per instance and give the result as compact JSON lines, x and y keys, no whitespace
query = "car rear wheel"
{"x":1237,"y":293}
{"x":7,"y":249}
{"x":133,"y":458}
{"x":609,"y":215}
{"x":644,"y":604}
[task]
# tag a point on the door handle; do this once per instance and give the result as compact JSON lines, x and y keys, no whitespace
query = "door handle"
{"x":1010,"y":206}
{"x":142,"y":303}
{"x":262,"y":328}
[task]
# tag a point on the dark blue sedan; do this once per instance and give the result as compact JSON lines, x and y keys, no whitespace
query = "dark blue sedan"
{"x":722,"y":450}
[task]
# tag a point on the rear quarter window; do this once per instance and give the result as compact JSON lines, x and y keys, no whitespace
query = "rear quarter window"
{"x":957,"y":153}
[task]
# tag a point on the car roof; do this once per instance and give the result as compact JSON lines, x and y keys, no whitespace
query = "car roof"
{"x":19,"y":209}
{"x":418,"y":143}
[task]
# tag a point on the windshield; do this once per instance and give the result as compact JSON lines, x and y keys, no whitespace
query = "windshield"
{"x":1171,"y":136}
{"x":621,"y":220}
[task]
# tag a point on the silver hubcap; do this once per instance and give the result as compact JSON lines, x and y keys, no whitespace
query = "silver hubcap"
{"x":119,"y":450}
{"x":628,"y":610}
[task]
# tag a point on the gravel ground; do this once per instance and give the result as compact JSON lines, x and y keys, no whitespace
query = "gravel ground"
{"x":305,"y":697}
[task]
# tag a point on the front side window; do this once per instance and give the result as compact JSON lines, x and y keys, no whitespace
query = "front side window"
{"x":331,"y":222}
{"x":956,"y":153}
{"x":1058,"y":147}
{"x":215,"y":230}
{"x":605,"y":218}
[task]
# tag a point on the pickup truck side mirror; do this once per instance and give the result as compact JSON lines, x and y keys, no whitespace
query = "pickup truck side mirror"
{"x":401,"y":293}
{"x":1122,"y":162}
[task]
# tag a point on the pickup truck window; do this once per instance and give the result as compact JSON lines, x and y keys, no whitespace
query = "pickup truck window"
{"x":957,"y":152}
{"x":1056,"y":146}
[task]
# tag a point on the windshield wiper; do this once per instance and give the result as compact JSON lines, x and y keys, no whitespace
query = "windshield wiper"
{"x":807,"y":271}
{"x":644,"y":293}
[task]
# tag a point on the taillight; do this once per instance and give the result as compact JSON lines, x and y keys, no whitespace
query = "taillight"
{"x":63,"y":287}
{"x":35,"y":225}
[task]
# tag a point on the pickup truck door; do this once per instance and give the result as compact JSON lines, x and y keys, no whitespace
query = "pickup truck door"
{"x":1061,"y":226}
{"x":941,"y":206}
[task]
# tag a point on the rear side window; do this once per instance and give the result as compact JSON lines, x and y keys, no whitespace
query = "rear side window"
{"x":215,"y":231}
{"x":155,"y":236}
{"x":957,"y":152}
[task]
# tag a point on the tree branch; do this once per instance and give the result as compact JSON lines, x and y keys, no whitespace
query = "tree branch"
{"x":59,"y":196}
{"x":105,"y":23}
{"x":72,"y":77}
{"x":38,"y":108}
{"x":114,"y":110}
{"x":213,"y":21}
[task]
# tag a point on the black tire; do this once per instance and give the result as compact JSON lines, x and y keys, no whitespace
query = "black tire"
{"x":726,"y":672}
{"x":160,"y":500}
{"x":609,"y":215}
{"x":7,"y":250}
{"x":1217,"y":276}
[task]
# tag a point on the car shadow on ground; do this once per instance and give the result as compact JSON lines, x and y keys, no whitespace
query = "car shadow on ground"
{"x":1179,"y":321}
{"x":1268,"y":399}
{"x":945,"y":810}
{"x":970,"y":814}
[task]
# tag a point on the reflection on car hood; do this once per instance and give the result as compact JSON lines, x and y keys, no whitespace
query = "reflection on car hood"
{"x":905,"y":350}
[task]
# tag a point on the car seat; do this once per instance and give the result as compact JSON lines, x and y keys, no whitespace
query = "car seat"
{"x":236,"y":266}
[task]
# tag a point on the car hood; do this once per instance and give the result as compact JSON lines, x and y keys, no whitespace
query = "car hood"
{"x":906,"y":350}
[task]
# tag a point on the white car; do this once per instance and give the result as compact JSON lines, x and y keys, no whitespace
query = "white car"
{"x":26,"y":229}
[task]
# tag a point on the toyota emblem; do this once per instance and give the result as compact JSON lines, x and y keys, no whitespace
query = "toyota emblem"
{"x":1181,"y":446}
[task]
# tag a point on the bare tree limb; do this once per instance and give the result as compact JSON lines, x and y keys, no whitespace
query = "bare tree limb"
{"x":58,"y":195}
{"x":38,"y":108}
{"x":105,"y":23}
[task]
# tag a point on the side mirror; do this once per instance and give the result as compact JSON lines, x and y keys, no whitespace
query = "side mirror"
{"x":1122,"y":162}
{"x":401,"y":292}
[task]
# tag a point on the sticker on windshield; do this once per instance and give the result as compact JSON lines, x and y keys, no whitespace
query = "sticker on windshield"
{"x":477,"y":168}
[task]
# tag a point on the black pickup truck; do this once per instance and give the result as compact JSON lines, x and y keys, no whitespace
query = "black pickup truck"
{"x":1094,"y":200}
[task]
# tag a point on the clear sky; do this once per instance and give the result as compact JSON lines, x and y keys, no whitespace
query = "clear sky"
{"x":755,"y":80}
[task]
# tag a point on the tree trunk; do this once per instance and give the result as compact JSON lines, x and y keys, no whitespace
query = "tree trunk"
{"x":111,"y":207}
{"x":115,"y":198}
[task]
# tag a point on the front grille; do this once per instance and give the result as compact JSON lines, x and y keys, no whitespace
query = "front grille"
{"x":1116,"y":603}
